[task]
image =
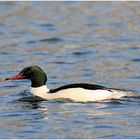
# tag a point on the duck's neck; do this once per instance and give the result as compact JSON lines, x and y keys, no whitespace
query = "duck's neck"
{"x":40,"y":91}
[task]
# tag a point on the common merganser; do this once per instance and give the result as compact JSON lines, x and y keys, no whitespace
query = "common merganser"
{"x":79,"y":92}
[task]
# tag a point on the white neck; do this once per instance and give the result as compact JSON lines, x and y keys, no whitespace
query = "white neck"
{"x":39,"y":91}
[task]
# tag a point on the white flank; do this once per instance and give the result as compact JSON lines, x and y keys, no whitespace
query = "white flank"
{"x":79,"y":94}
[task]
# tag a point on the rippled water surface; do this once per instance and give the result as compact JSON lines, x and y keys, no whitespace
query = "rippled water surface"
{"x":90,"y":42}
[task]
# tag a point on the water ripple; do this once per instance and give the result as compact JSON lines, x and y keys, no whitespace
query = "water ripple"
{"x":53,"y":40}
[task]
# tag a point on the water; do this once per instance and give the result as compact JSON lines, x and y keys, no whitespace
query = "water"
{"x":91,"y":42}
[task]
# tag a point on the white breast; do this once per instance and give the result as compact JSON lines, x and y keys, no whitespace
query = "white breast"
{"x":39,"y":91}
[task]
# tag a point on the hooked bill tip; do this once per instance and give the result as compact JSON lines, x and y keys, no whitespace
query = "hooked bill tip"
{"x":6,"y":79}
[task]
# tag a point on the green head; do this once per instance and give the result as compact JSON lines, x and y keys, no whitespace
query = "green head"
{"x":34,"y":73}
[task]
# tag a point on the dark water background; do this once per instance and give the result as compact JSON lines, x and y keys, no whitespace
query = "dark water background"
{"x":92,"y":42}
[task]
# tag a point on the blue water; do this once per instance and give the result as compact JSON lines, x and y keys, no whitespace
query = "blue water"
{"x":90,"y":42}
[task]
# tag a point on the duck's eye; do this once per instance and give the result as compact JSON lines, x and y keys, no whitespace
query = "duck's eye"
{"x":27,"y":72}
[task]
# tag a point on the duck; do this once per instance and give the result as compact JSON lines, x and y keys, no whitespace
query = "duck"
{"x":77,"y":92}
